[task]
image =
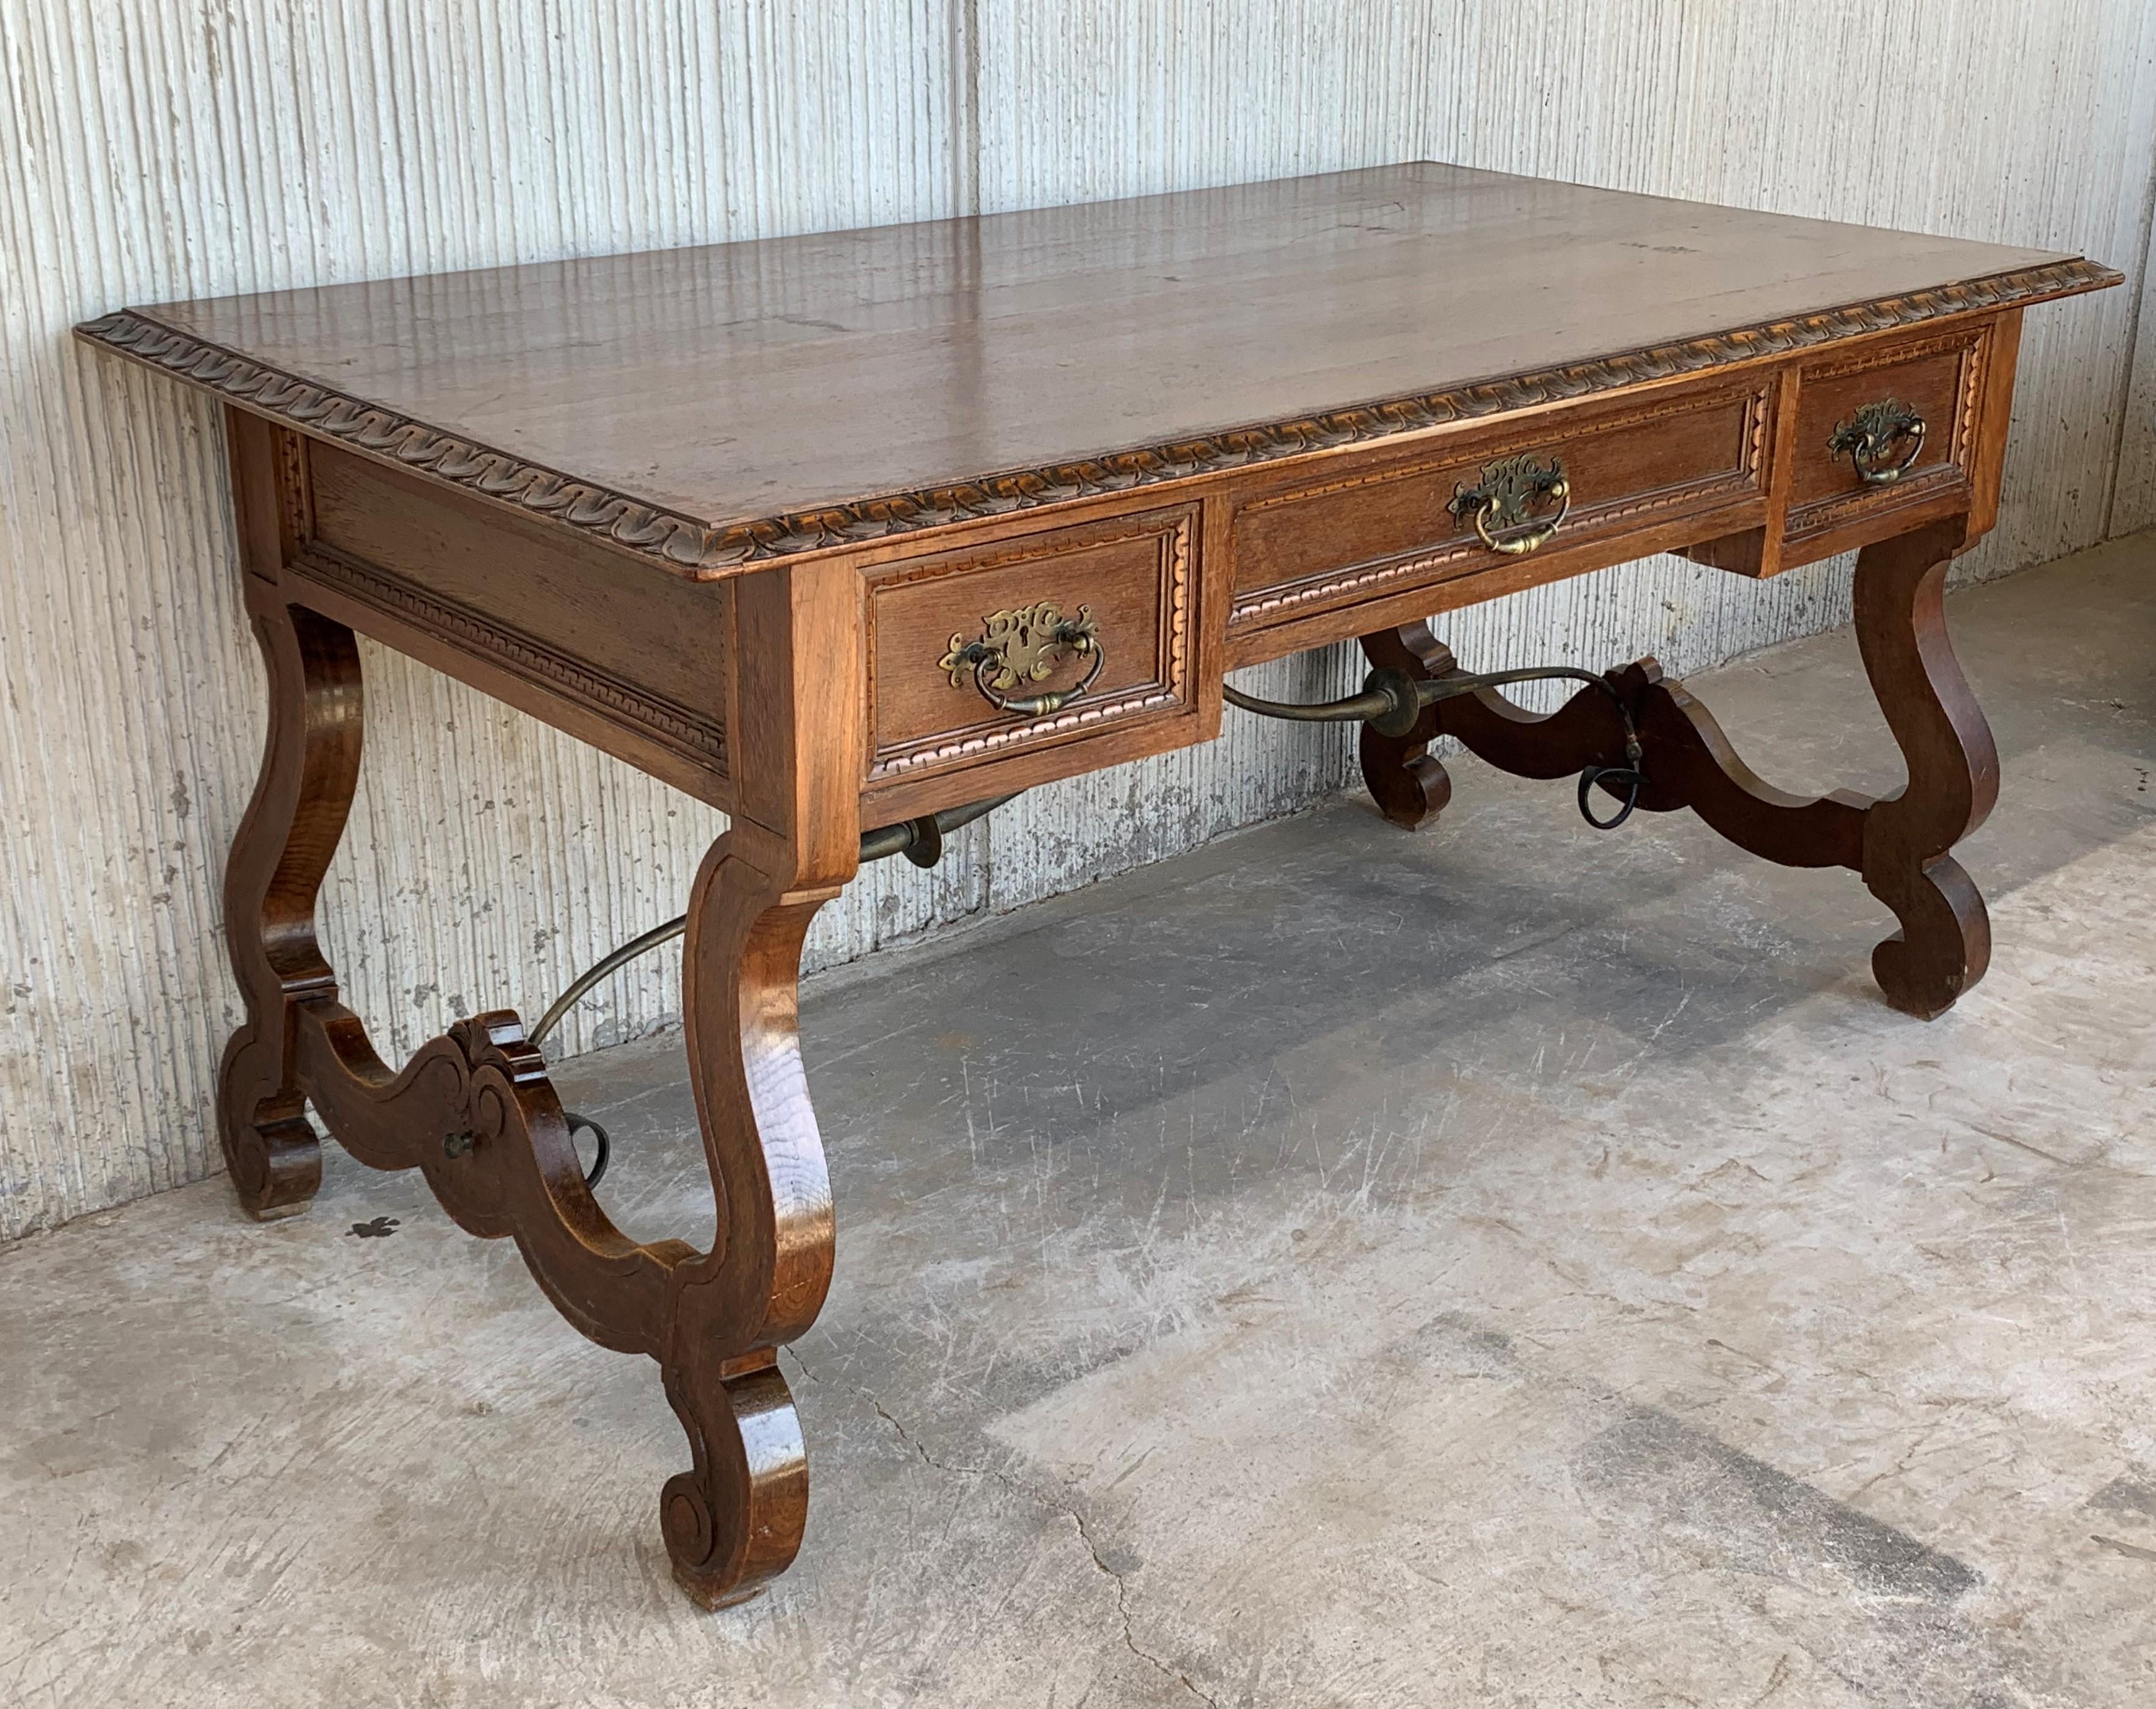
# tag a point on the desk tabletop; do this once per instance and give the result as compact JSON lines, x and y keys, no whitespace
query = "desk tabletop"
{"x":712,"y":407}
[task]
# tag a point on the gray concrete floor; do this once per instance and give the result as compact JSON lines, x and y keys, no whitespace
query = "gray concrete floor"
{"x":1505,"y":1266}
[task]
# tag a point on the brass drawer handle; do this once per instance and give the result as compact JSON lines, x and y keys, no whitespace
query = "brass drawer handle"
{"x":1868,"y":435}
{"x":1500,"y":499}
{"x":1023,"y":646}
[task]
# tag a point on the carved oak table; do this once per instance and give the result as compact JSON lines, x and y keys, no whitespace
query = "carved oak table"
{"x":844,"y":532}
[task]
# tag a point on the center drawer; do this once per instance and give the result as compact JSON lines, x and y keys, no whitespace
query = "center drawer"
{"x":1404,"y":522}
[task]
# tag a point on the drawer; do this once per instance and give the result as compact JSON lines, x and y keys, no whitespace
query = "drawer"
{"x":1399,"y":525}
{"x":946,"y":633}
{"x":1937,"y":379}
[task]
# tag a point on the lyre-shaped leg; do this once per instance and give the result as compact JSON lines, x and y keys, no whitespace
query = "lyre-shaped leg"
{"x":735,"y":1519}
{"x":475,"y":1113}
{"x":1945,"y":941}
{"x":310,"y":767}
{"x":474,"y":1110}
{"x":1901,"y":845}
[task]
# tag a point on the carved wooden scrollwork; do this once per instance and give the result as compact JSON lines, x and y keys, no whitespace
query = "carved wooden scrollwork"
{"x":1900,"y":845}
{"x":474,"y":1112}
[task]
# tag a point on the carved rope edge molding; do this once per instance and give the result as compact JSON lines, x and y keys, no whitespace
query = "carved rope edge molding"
{"x":694,"y":547}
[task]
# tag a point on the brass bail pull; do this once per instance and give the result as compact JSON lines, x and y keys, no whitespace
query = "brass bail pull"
{"x":1022,"y":646}
{"x":1868,"y":436}
{"x":1502,"y":501}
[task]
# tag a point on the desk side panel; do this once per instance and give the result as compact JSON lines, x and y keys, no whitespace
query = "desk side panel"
{"x":596,"y":643}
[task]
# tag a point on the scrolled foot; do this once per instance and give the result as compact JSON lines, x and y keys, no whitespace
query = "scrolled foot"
{"x":1409,"y":784}
{"x":270,"y":1148}
{"x":1943,"y":946}
{"x":733,"y":1522}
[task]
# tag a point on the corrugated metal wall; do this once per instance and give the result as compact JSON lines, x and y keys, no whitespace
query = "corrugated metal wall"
{"x":153,"y":149}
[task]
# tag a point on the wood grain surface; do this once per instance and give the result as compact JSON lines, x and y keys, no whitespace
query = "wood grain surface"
{"x":706,"y":404}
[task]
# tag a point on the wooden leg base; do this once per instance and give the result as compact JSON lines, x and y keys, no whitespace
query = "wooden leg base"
{"x":270,"y":1148}
{"x":1410,"y":789}
{"x":733,"y":1522}
{"x":474,"y":1111}
{"x":1943,"y":946}
{"x":1900,"y":845}
{"x":1409,"y":782}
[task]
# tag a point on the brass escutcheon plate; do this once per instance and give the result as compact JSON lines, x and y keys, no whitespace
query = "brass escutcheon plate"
{"x":1505,"y":489}
{"x":1867,"y":436}
{"x":1501,"y":501}
{"x":1022,"y":645}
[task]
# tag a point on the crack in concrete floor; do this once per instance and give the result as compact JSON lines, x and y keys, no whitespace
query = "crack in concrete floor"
{"x":1019,"y":1486}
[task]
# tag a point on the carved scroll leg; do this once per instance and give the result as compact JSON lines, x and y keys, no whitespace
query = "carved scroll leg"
{"x":735,"y":1519}
{"x":309,"y":766}
{"x":1409,"y":783}
{"x":1945,"y":941}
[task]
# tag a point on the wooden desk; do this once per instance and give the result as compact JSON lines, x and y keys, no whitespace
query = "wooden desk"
{"x":783,"y":522}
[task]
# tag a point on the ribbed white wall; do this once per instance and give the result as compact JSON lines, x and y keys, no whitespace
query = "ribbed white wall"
{"x":2133,"y":504}
{"x":153,"y":149}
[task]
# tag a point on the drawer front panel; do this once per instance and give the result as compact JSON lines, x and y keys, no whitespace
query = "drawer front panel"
{"x":1130,"y":579}
{"x":1389,"y":528}
{"x":1938,"y":379}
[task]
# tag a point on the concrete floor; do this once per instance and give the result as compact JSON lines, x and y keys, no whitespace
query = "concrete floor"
{"x":1506,"y":1267}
